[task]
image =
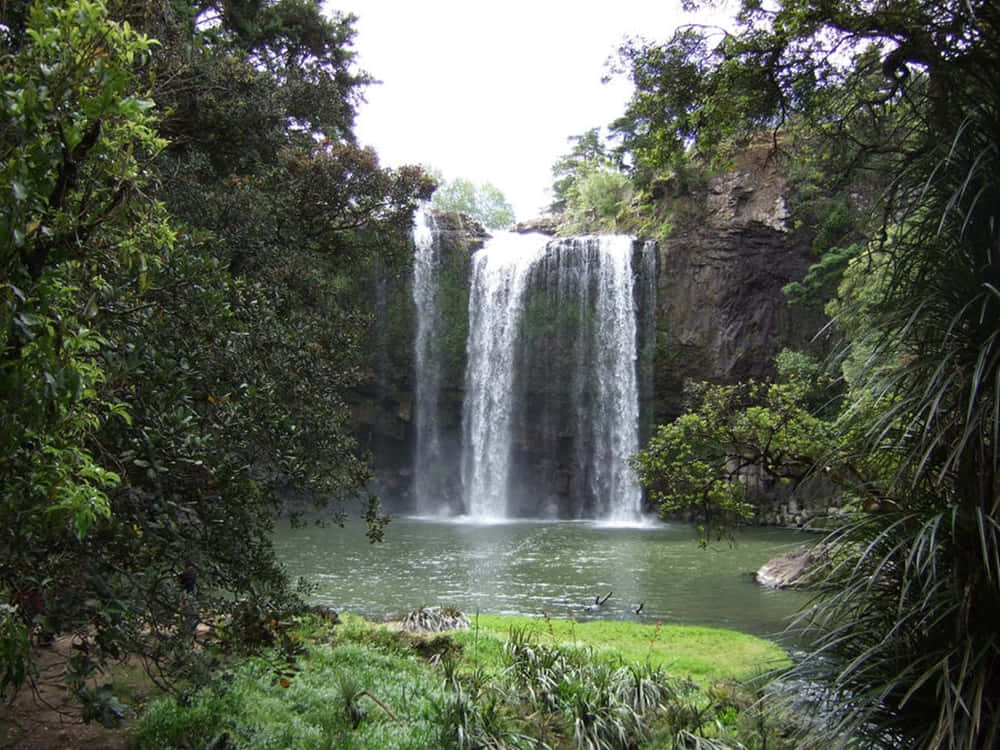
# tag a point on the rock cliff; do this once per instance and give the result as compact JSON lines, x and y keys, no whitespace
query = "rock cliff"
{"x":721,"y":314}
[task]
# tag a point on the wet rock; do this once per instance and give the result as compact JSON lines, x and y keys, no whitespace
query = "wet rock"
{"x":543,"y":225}
{"x":722,"y":315}
{"x":793,"y":569}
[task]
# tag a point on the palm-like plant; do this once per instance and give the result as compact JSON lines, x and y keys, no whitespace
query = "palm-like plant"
{"x":906,"y":638}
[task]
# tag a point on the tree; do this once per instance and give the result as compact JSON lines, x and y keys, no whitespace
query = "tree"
{"x":240,"y":357}
{"x":591,"y":192}
{"x":205,"y":270}
{"x":733,"y":441}
{"x":903,"y":89}
{"x":77,"y":137}
{"x":484,"y":202}
{"x":589,"y":152}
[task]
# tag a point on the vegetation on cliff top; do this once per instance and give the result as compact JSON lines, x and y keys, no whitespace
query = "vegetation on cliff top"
{"x":484,"y":202}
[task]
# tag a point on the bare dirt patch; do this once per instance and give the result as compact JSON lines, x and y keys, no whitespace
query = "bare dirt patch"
{"x":47,"y":717}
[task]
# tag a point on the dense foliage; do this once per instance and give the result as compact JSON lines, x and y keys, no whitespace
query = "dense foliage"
{"x":188,"y":228}
{"x":898,"y":96}
{"x":590,"y":192}
{"x":484,"y":202}
{"x":735,"y":443}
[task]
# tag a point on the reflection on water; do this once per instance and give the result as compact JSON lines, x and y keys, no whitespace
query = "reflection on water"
{"x":530,"y":567}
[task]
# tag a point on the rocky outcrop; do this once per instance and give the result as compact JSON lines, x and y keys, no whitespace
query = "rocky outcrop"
{"x":543,"y":225}
{"x":459,"y":232}
{"x":795,"y":569}
{"x":721,"y":313}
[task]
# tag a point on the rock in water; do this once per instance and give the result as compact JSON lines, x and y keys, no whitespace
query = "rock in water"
{"x":793,"y":569}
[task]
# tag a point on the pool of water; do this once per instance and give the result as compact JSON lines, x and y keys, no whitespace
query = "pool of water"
{"x":535,"y":567}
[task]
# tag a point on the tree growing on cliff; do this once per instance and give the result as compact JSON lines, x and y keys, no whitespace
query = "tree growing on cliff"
{"x":733,"y":438}
{"x":905,"y":643}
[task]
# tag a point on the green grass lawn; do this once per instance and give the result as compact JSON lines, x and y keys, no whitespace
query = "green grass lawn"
{"x":702,"y":654}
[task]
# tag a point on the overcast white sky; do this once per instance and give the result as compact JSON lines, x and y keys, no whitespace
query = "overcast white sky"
{"x":490,"y":91}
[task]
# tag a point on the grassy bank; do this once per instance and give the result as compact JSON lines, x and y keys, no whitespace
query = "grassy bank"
{"x":505,"y":682}
{"x":702,"y":654}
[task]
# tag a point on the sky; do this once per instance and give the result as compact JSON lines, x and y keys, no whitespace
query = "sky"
{"x":491,"y":91}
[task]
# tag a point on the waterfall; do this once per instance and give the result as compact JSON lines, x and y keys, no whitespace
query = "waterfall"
{"x":428,"y":483}
{"x":615,"y":418}
{"x":551,"y":406}
{"x":499,"y":271}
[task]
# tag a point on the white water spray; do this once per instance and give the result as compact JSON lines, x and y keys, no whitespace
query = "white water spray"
{"x":499,"y":272}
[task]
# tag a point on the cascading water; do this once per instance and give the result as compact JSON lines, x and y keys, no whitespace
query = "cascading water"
{"x":615,"y":417}
{"x":427,"y":480}
{"x":499,"y":272}
{"x":551,"y":405}
{"x":577,"y":408}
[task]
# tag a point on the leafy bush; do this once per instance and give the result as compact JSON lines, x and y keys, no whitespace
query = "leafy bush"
{"x":596,"y":199}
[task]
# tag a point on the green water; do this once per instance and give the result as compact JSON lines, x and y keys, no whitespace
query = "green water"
{"x":527,"y":568}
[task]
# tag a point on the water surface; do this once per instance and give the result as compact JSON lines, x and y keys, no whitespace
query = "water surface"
{"x":531,"y":567}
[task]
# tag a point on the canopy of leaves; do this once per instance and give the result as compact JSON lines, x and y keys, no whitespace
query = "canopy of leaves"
{"x":589,"y":152}
{"x":591,"y":192}
{"x":732,"y":443}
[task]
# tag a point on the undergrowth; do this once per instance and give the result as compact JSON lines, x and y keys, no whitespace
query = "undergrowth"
{"x":361,"y":685}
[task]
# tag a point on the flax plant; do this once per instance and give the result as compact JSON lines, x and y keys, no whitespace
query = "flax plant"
{"x":906,"y":640}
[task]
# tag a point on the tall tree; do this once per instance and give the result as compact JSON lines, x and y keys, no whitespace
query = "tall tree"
{"x":589,"y":153}
{"x":77,"y":138}
{"x":231,"y":339}
{"x":484,"y":202}
{"x":241,"y":357}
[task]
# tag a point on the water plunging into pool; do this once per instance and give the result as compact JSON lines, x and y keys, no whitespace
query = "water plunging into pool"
{"x":496,"y":297}
{"x":550,"y":413}
{"x":427,"y":485}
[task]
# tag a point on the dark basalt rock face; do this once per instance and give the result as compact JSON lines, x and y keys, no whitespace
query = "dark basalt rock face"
{"x":721,"y":314}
